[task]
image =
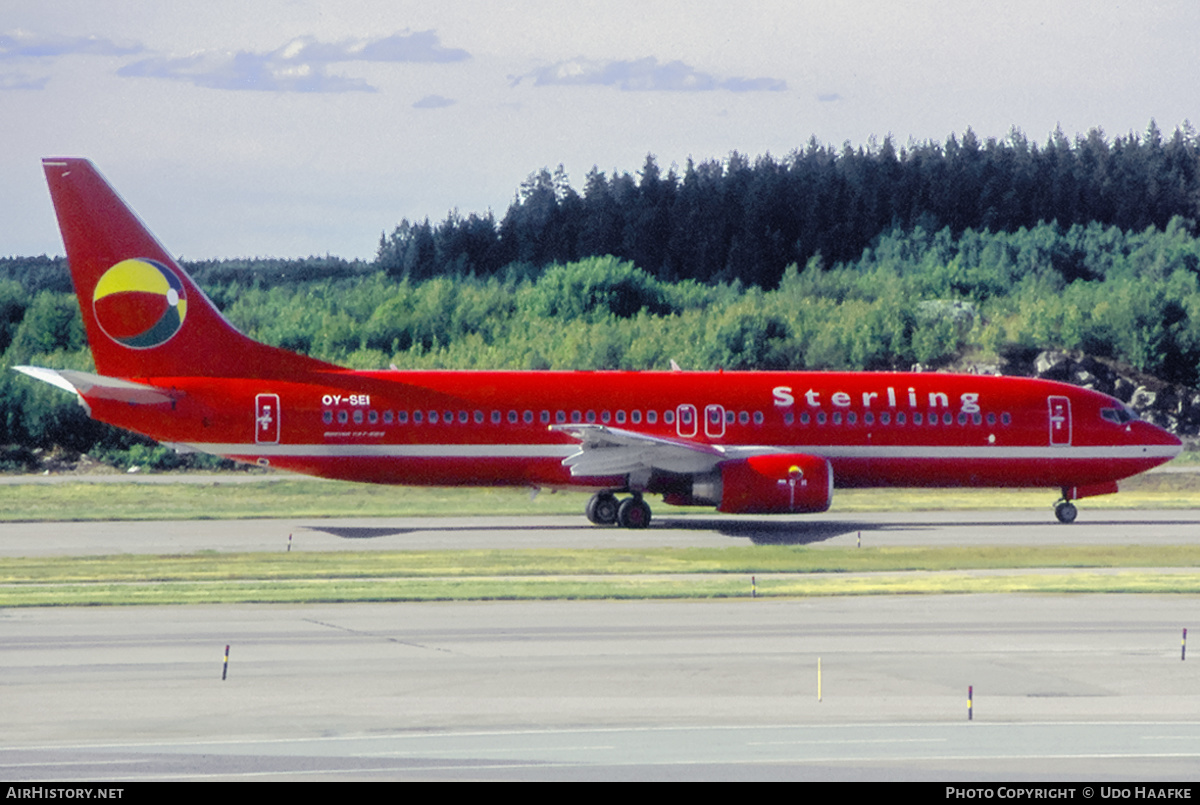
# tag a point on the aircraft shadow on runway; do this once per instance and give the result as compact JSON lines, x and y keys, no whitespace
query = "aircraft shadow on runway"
{"x":759,"y":532}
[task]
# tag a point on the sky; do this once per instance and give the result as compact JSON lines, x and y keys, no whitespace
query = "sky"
{"x":289,"y":128}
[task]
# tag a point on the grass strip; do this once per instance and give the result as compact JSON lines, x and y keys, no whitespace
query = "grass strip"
{"x":604,"y":573}
{"x":553,"y":588}
{"x":213,"y":566}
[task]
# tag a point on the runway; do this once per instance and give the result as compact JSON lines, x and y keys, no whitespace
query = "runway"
{"x":1065,"y":687}
{"x":1094,"y":527}
{"x":1088,"y":687}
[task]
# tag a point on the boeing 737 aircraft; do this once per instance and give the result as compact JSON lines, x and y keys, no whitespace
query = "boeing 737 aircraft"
{"x":168,"y":365}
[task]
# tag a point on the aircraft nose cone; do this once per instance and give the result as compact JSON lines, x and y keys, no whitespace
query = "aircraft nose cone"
{"x":1149,"y":434}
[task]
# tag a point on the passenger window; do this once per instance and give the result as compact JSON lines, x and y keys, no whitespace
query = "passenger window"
{"x":388,"y":417}
{"x":758,"y":417}
{"x":620,"y":417}
{"x":545,"y":417}
{"x":343,"y":417}
{"x":528,"y":417}
{"x":669,"y":417}
{"x":402,"y":417}
{"x":635,"y":417}
{"x":495,"y":417}
{"x":327,"y":417}
{"x":478,"y":417}
{"x":560,"y":417}
{"x":651,"y":417}
{"x":372,"y":417}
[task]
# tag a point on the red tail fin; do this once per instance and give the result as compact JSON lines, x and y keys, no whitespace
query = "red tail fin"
{"x":144,"y":316}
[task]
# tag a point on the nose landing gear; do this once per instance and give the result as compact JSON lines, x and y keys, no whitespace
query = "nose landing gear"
{"x":1065,"y":511}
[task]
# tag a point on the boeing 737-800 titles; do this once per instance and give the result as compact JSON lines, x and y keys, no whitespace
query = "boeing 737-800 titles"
{"x":168,"y":365}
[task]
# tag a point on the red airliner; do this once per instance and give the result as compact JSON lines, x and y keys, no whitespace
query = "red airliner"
{"x":169,"y":366}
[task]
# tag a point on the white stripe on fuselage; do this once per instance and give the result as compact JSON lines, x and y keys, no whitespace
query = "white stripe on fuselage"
{"x":561,"y":451}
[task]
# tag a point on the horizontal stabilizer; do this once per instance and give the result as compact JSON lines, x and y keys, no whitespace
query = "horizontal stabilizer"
{"x":93,"y":386}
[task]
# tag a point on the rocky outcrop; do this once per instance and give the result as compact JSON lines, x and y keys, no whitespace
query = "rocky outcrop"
{"x":1176,"y":408}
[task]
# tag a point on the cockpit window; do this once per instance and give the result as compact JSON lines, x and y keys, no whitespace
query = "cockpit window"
{"x":1117,"y":416}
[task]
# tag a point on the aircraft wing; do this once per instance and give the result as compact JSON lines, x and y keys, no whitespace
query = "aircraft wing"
{"x":615,"y":451}
{"x":87,"y":384}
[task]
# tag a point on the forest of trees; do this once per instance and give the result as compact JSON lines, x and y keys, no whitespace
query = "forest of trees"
{"x":737,"y":219}
{"x":860,"y":259}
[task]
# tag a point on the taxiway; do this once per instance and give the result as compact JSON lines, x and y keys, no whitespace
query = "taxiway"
{"x":1065,"y":687}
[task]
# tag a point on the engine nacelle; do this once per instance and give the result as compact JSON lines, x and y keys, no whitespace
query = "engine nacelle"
{"x":776,"y":484}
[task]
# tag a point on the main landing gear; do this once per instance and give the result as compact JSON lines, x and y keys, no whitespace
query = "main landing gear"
{"x":605,"y":509}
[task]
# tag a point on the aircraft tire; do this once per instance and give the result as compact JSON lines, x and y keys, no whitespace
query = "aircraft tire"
{"x":1065,"y":511}
{"x":602,"y":509}
{"x":633,"y":513}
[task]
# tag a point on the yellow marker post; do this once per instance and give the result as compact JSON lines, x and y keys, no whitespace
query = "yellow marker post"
{"x":225,"y":667}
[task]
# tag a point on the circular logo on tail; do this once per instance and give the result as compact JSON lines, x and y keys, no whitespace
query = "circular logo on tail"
{"x":140,"y":303}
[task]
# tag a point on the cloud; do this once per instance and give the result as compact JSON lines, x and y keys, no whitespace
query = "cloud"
{"x":21,"y":81}
{"x":25,"y":45}
{"x":646,"y":75}
{"x":422,"y":46}
{"x":299,"y":66}
{"x":434,"y":102}
{"x":244,"y":71}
